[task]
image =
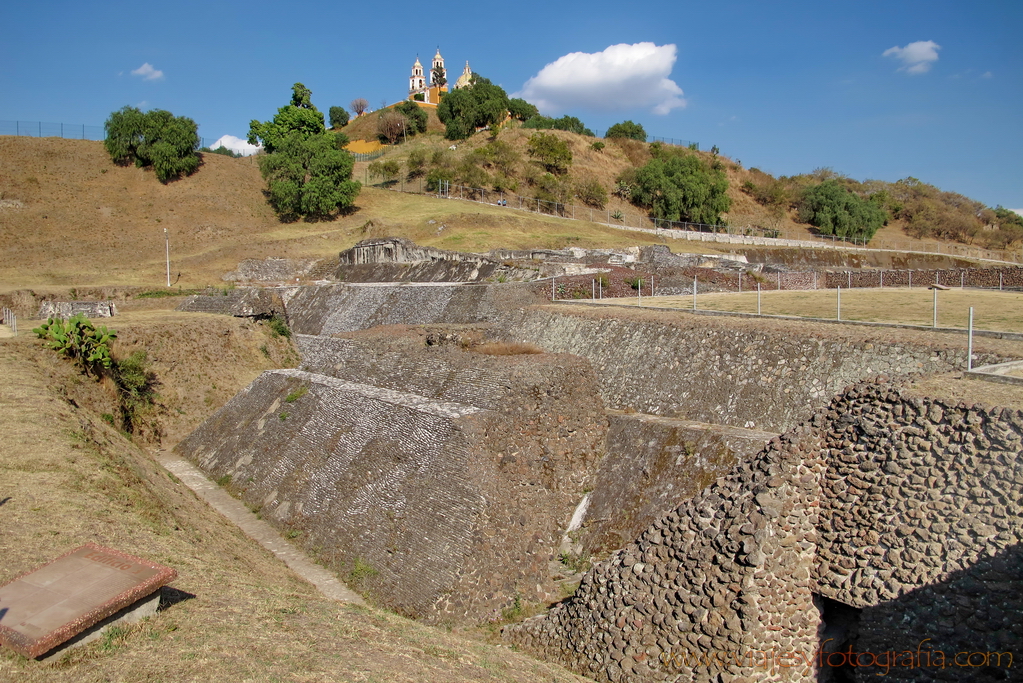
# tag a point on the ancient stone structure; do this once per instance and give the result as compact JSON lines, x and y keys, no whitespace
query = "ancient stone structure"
{"x":887,"y":524}
{"x":440,"y":490}
{"x":247,"y":302}
{"x":68,"y":309}
{"x":402,"y":457}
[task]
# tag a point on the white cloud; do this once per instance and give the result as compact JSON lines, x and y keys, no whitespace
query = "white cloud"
{"x":148,"y":73}
{"x":621,"y":77}
{"x":987,"y":74}
{"x":235,"y":145}
{"x":917,"y":57}
{"x":1017,"y":211}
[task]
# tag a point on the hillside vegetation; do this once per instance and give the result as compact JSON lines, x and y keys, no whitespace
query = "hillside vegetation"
{"x":609,"y":174}
{"x":69,"y":218}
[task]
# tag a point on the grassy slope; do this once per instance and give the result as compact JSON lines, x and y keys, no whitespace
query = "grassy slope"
{"x":66,"y":478}
{"x":84,"y":221}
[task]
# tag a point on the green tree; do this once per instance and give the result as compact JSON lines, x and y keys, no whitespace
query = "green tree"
{"x":300,"y":117}
{"x":307,"y":170}
{"x":479,"y":105}
{"x":521,"y":109}
{"x":626,"y":129}
{"x":437,"y":77}
{"x":681,"y":187}
{"x":568,"y":123}
{"x":155,"y":139}
{"x":416,"y":116}
{"x":551,"y":152}
{"x":338,"y":117}
{"x":836,"y":210}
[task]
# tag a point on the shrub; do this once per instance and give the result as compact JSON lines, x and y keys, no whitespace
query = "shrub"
{"x":834,"y":210}
{"x":597,"y":146}
{"x":592,"y":193}
{"x":135,"y":389}
{"x":278,"y":327}
{"x":416,"y":163}
{"x":551,"y":152}
{"x":679,"y":186}
{"x":626,"y":129}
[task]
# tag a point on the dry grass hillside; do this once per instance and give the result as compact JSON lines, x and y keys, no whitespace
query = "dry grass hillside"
{"x":365,"y":126}
{"x":237,"y":613}
{"x":71,"y":218}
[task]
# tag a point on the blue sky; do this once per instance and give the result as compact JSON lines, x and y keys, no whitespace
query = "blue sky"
{"x":783,"y":86}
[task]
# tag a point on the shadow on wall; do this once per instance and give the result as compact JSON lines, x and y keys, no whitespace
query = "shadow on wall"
{"x":920,"y":636}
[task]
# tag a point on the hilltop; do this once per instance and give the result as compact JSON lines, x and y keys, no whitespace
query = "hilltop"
{"x":69,"y":217}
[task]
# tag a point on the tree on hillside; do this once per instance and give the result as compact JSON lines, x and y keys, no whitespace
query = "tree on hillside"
{"x":308,"y":173}
{"x":679,"y":186}
{"x":522,"y":110}
{"x":835,"y":210}
{"x":299,"y":117}
{"x":156,"y":139}
{"x":359,"y":106}
{"x":338,"y":117}
{"x":415,"y":115}
{"x":626,"y":129}
{"x":391,"y":125}
{"x":467,"y":109}
{"x":551,"y":152}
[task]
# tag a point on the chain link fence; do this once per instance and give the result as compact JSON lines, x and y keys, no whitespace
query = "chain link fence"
{"x":68,"y":131}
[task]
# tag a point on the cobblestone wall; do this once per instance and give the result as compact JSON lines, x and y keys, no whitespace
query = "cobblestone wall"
{"x":884,"y":521}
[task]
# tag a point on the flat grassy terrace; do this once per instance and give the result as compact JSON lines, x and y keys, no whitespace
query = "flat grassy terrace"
{"x":992,"y":310}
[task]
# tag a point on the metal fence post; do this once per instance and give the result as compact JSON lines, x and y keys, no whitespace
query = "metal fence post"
{"x":969,"y":348}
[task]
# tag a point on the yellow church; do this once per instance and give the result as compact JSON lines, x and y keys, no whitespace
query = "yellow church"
{"x":428,"y":89}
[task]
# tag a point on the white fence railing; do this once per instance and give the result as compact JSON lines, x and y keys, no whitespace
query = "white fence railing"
{"x":11,"y":320}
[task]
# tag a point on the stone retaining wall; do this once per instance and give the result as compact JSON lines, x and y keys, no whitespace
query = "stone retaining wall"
{"x":330,"y":309}
{"x":248,"y":302}
{"x":68,"y":309}
{"x":436,"y":509}
{"x":651,"y":464}
{"x":884,"y":521}
{"x":708,"y":370}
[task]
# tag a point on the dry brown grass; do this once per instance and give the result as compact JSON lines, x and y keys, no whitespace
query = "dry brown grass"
{"x":67,"y":478}
{"x":85,"y":222}
{"x":506,"y":349}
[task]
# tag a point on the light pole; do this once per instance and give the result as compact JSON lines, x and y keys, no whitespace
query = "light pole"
{"x":166,"y":239}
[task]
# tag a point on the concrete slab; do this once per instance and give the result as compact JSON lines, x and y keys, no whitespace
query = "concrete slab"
{"x":54,"y":603}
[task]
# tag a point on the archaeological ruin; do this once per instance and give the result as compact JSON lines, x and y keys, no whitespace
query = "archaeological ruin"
{"x":683,"y":497}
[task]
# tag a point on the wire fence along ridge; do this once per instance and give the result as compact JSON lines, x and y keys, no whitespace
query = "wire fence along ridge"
{"x":68,"y":131}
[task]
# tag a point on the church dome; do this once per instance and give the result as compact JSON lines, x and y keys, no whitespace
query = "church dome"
{"x":466,"y":78}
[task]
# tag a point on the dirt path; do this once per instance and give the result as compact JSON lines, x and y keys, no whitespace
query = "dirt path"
{"x":256,"y":529}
